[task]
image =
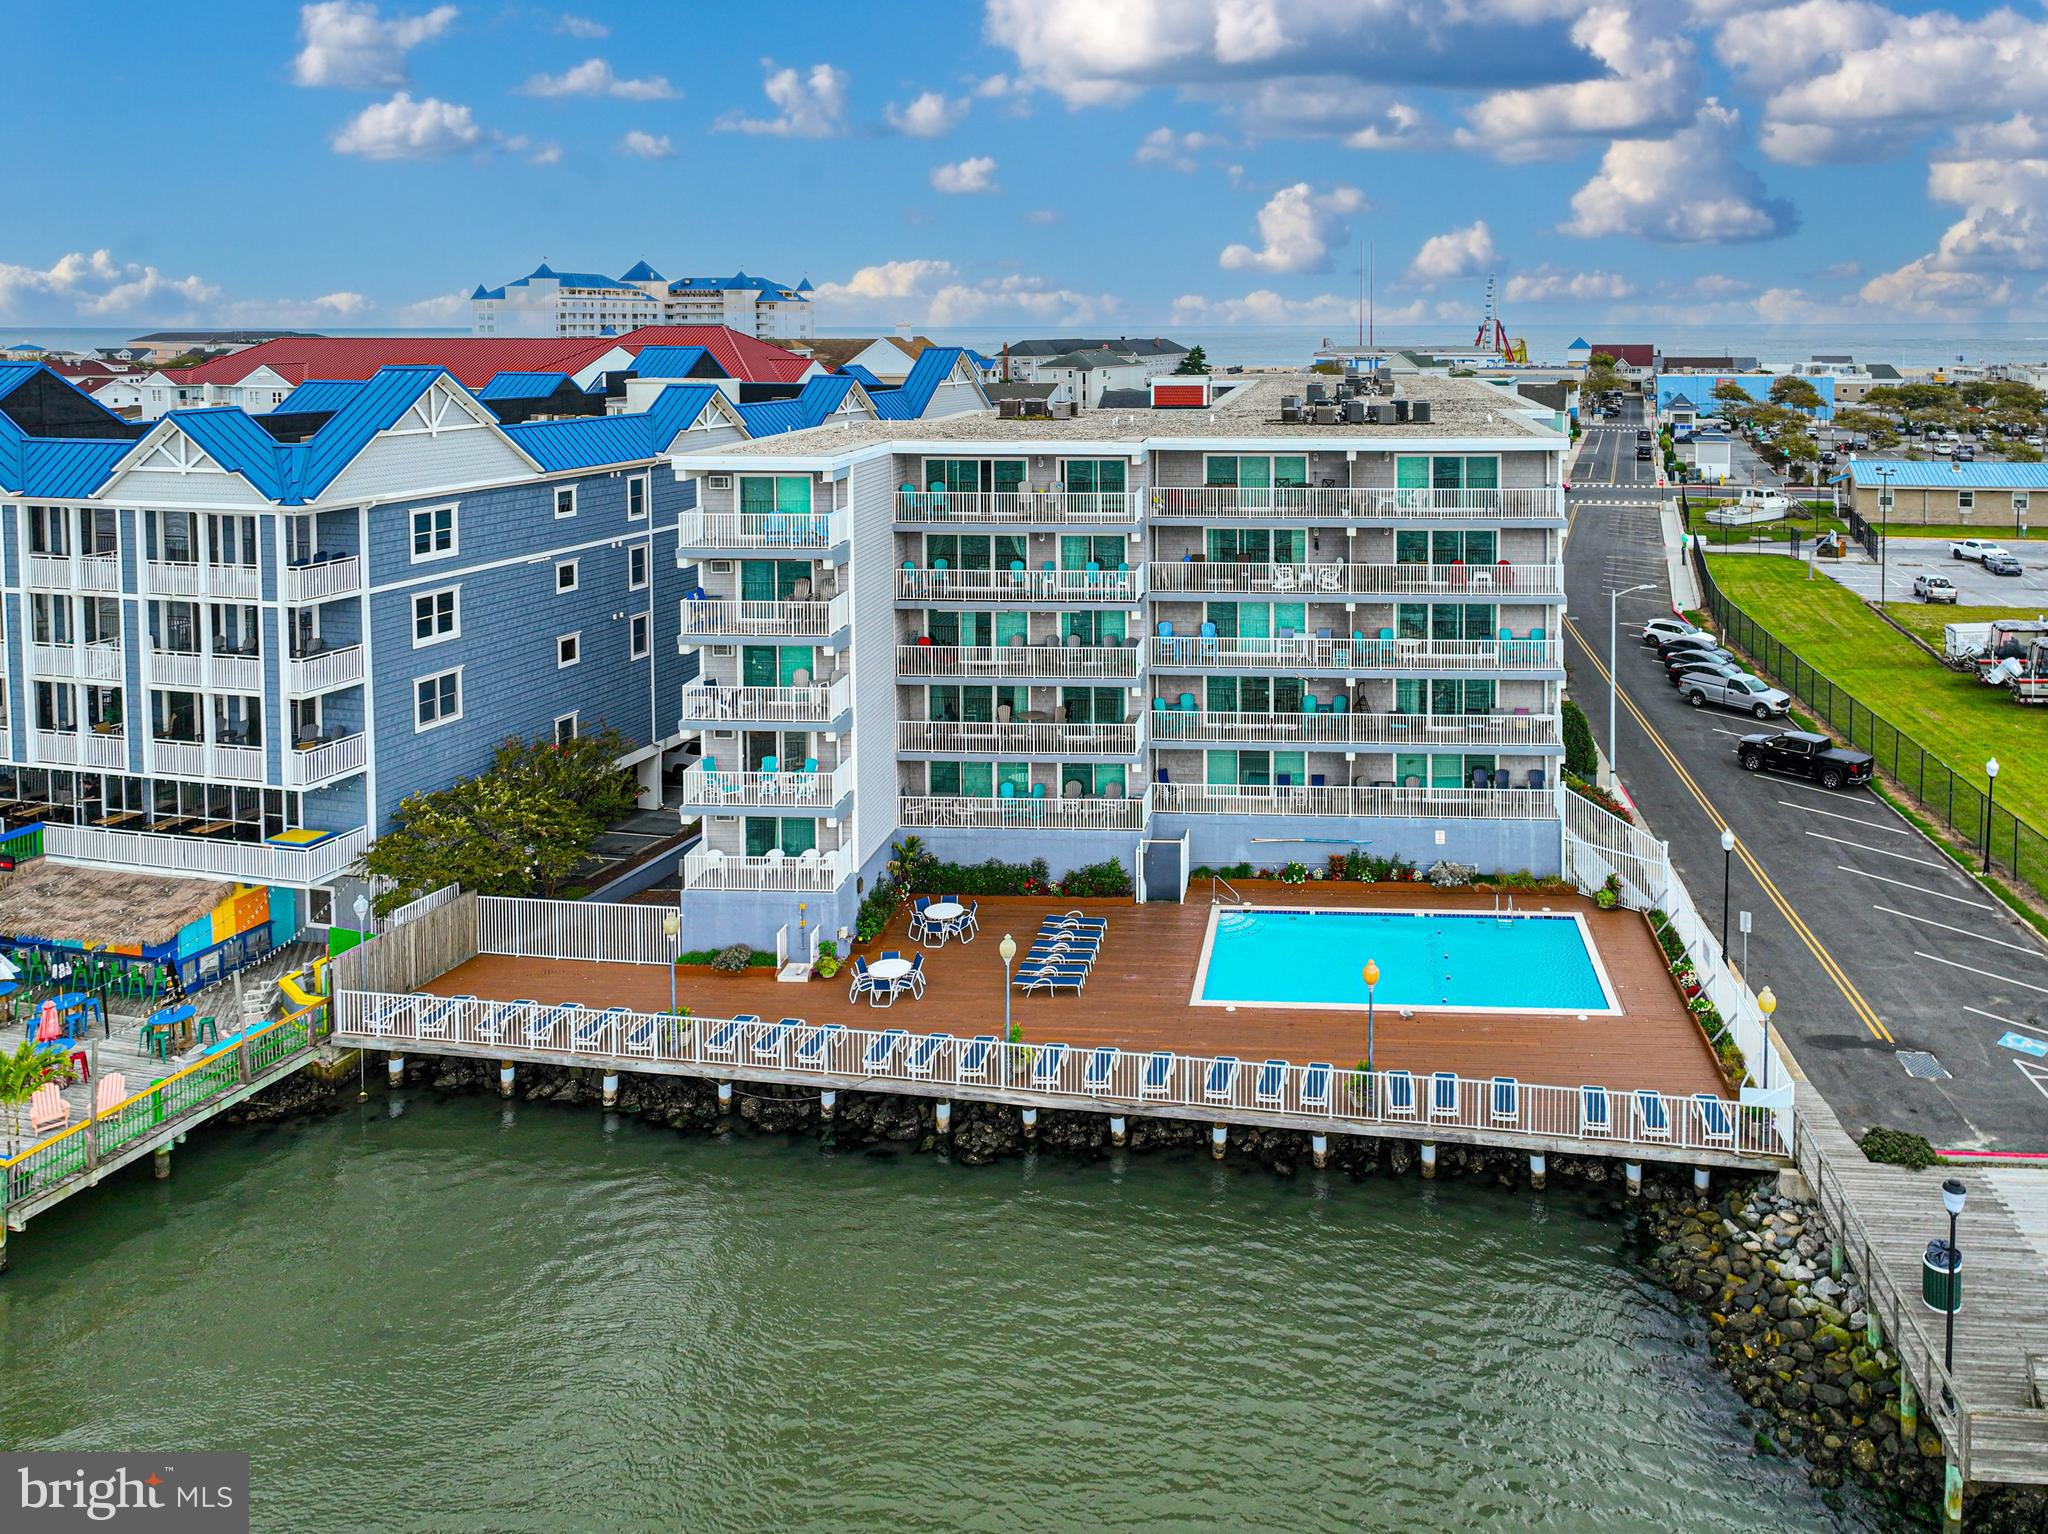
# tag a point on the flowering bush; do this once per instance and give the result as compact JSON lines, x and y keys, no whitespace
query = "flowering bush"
{"x":1446,"y":875}
{"x":1294,"y":873}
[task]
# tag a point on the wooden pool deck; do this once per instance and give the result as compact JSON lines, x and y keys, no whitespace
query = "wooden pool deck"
{"x":1137,"y":997}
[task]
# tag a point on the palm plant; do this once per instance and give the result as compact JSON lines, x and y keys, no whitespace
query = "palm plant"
{"x":20,"y":1074}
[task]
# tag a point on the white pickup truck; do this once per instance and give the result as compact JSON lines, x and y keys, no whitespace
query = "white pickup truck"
{"x":1934,"y":588}
{"x":1979,"y":549}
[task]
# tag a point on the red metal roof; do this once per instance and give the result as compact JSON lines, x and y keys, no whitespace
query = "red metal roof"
{"x":475,"y":360}
{"x":1636,"y":354}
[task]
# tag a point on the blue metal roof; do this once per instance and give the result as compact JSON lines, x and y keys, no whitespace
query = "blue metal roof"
{"x":640,"y":271}
{"x":58,"y":467}
{"x":819,"y":398}
{"x":861,"y":375}
{"x":933,"y":367}
{"x":738,"y":281}
{"x":14,"y":374}
{"x":674,"y":362}
{"x":594,"y":441}
{"x":513,"y":385}
{"x":1939,"y":474}
{"x":317,"y":394}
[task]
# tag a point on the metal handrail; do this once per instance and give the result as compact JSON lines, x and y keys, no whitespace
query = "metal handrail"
{"x":1235,"y":897}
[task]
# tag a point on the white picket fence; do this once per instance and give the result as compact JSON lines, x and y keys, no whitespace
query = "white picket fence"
{"x":412,"y":910}
{"x":574,"y":929}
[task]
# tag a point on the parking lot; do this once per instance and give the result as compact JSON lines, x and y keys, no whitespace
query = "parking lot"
{"x":1977,"y":587}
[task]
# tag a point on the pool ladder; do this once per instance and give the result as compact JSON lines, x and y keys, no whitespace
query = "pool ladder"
{"x":1503,"y":914}
{"x":1216,"y":882}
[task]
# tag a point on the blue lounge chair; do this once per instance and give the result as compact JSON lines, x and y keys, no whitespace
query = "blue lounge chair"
{"x":434,"y":1017}
{"x":1717,"y":1125}
{"x":1443,"y":1097}
{"x":882,"y":1049}
{"x":492,"y":1029}
{"x":1067,"y":978}
{"x":1505,"y":1101}
{"x":1653,"y":1120}
{"x":641,"y":1036}
{"x":1157,"y":1080}
{"x":384,"y":1017}
{"x":1315,"y":1088}
{"x":926,"y":1055}
{"x":974,"y":1060}
{"x":1400,"y":1095}
{"x":1219,"y":1083}
{"x":540,"y":1028}
{"x":769,"y":1042}
{"x":814,"y":1049}
{"x":1046,"y":1063}
{"x":1101,"y":1068}
{"x":724,"y":1043}
{"x":1596,"y":1112}
{"x":1268,"y":1085}
{"x":590,"y":1030}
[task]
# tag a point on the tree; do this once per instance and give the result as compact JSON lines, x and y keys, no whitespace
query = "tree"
{"x":520,"y":827}
{"x":1797,"y":451}
{"x":1601,"y":376}
{"x":1794,"y":392}
{"x":20,"y":1074}
{"x":1196,"y":361}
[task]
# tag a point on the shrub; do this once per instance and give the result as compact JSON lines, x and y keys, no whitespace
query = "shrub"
{"x":1294,"y":873}
{"x":1098,"y":880}
{"x":1897,"y":1147}
{"x":875,"y":910}
{"x":731,"y":961}
{"x":1446,"y":875}
{"x":1599,"y":796}
{"x":1581,"y":758}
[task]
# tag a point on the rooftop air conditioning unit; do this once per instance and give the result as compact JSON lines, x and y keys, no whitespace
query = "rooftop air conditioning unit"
{"x":1317,"y":394}
{"x":1326,"y":415}
{"x":1290,"y":407}
{"x":1354,"y":411}
{"x":1400,"y":409}
{"x":1383,"y":414}
{"x":718,"y":481}
{"x":1418,"y":412}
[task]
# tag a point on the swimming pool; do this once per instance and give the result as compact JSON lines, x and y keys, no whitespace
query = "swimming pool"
{"x":1434,"y":961}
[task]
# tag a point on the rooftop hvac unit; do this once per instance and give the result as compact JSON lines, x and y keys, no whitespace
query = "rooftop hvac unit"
{"x":1400,"y":410}
{"x":1382,"y":414}
{"x":1065,"y":410}
{"x":1418,"y":412}
{"x":1354,"y":411}
{"x":1328,"y":415}
{"x":1317,"y":394}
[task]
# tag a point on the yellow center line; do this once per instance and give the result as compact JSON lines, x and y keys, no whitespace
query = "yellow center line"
{"x":1814,"y":946}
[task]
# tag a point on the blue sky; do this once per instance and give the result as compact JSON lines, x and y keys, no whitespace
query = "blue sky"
{"x":1046,"y":163}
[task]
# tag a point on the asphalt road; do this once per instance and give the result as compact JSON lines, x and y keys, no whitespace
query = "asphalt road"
{"x":1608,"y":457}
{"x":1874,"y":942}
{"x":1908,"y":557}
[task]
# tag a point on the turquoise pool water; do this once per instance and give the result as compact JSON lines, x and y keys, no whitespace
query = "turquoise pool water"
{"x":1427,"y":959}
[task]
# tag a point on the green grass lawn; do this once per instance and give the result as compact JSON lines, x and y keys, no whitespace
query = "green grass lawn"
{"x":1953,"y":716}
{"x":1989,"y":530}
{"x":1809,"y":527}
{"x":1927,"y":618}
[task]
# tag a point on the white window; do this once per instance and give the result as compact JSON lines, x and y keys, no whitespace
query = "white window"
{"x":636,"y":567}
{"x":639,"y":636}
{"x":568,"y":650}
{"x":1966,"y":500}
{"x":636,"y":497}
{"x":433,"y":533}
{"x":436,"y":616}
{"x":565,"y":500}
{"x":565,"y":729}
{"x":565,"y":576}
{"x":437,"y":699}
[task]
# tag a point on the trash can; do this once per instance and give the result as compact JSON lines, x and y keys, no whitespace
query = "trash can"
{"x":1936,"y":1286}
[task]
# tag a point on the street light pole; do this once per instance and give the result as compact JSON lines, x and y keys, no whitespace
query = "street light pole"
{"x":672,"y":928}
{"x":1727,"y":877}
{"x":1884,"y":538}
{"x":1371,"y":976}
{"x":1767,"y":1003}
{"x":1990,"y":802}
{"x":1952,"y":1197}
{"x":1614,"y":671}
{"x":1008,"y":949}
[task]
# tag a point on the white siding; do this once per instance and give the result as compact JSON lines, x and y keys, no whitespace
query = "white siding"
{"x":402,"y":465}
{"x":872,"y":494}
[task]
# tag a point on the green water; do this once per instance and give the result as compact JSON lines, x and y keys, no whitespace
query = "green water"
{"x":460,"y":1315}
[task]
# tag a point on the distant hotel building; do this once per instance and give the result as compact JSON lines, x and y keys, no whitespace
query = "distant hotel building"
{"x":546,"y":302}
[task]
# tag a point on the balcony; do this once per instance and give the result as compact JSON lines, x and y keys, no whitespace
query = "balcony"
{"x":105,"y":751}
{"x":983,"y":737}
{"x":1355,"y":655}
{"x":169,"y":578}
{"x":960,"y":813}
{"x":714,"y":618}
{"x":709,"y":706}
{"x":75,"y":572}
{"x":212,"y":762}
{"x":1193,"y":503}
{"x":221,"y":672}
{"x":947,"y":508}
{"x":205,"y":857}
{"x":101,"y":662}
{"x":1400,"y":732}
{"x":304,"y":674}
{"x":1354,"y":800}
{"x":317,"y":580}
{"x":704,"y":869}
{"x":710,"y":788}
{"x":310,"y":765}
{"x":1117,"y":663}
{"x":1336,"y":579}
{"x":709,"y":531}
{"x":1076,"y":588}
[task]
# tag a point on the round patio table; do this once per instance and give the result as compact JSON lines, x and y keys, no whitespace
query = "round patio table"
{"x":889,"y":970}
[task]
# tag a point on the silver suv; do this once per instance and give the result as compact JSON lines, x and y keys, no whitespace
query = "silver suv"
{"x":1743,"y":692}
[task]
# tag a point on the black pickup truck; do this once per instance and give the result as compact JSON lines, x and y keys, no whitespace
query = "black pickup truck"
{"x":1804,"y":755}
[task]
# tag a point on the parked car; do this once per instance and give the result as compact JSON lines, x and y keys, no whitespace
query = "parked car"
{"x":2003,"y":563}
{"x":1695,"y":639}
{"x":1802,"y":754}
{"x":1714,"y":668}
{"x":1829,"y":458}
{"x":1934,"y":588}
{"x":1642,"y":453}
{"x":1685,"y":662}
{"x":1643,"y":435}
{"x":1973,"y":548}
{"x":1746,"y":693}
{"x":1657,"y":630}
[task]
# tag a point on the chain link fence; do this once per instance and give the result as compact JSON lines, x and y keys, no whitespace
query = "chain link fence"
{"x":1954,"y":797}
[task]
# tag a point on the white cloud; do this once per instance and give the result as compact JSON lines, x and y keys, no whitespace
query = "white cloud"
{"x":347,"y":42}
{"x":549,"y":153}
{"x":594,"y":77}
{"x":1718,"y":285}
{"x":1467,"y":252}
{"x":1042,"y":216}
{"x":1299,"y":227}
{"x":95,"y":284}
{"x":1176,"y":151}
{"x":1546,"y":286}
{"x":1263,"y":306}
{"x":405,"y":129}
{"x":808,"y":105}
{"x":977,"y":174}
{"x":641,"y":145}
{"x":2003,"y":229}
{"x":935,"y":292}
{"x":931,"y":115}
{"x":583,"y":27}
{"x":440,"y":310}
{"x":1687,"y":189}
{"x":1649,"y":86}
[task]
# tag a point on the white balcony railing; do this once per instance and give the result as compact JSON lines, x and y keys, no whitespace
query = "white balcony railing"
{"x":1340,"y":504}
{"x":721,"y":617}
{"x":169,"y":578}
{"x":1200,"y":578}
{"x":710,"y":788}
{"x":1088,"y":662}
{"x":980,"y":737}
{"x":706,"y":869}
{"x":101,"y":662}
{"x":205,"y":857}
{"x":762,"y":529}
{"x":963,"y":813}
{"x":106,"y":751}
{"x":706,"y":703}
{"x":75,"y":572}
{"x":1192,"y":653}
{"x":1401,"y":732}
{"x":51,"y":570}
{"x":321,"y":579}
{"x":325,"y":671}
{"x":204,"y":760}
{"x":1075,"y":586}
{"x":1089,"y":508}
{"x":1355,"y":799}
{"x":311,"y":766}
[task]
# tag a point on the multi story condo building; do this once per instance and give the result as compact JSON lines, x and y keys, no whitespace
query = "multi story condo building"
{"x":1224,"y":625}
{"x":546,"y":302}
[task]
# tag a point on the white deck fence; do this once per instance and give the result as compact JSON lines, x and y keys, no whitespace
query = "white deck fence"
{"x":573,"y":929}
